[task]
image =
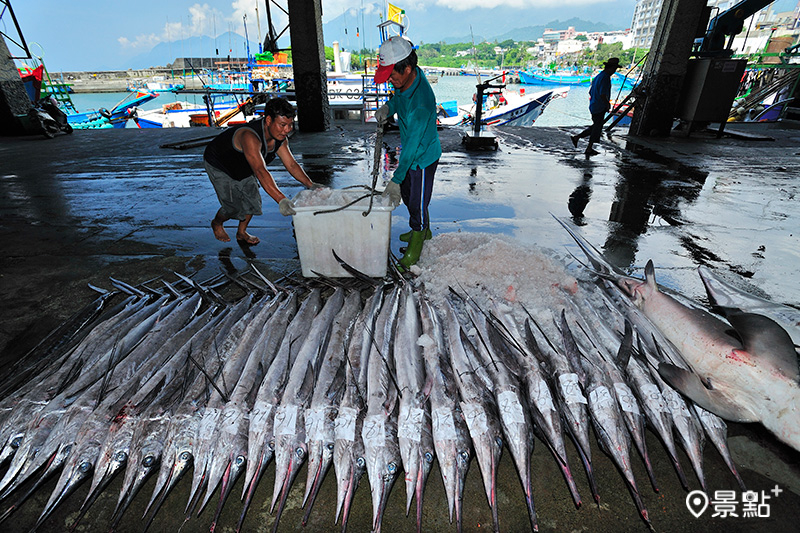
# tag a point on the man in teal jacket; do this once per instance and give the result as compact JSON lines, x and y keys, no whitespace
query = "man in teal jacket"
{"x":415,"y":106}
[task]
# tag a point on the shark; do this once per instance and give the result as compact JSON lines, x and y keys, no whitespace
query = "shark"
{"x":743,"y":368}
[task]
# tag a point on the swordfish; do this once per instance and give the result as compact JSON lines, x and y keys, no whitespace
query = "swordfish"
{"x":749,"y":376}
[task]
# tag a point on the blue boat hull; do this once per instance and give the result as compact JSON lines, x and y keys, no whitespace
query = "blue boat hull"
{"x":532,"y":78}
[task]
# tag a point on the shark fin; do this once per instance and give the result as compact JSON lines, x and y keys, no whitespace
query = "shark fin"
{"x":650,"y":274}
{"x":690,"y":385}
{"x":767,"y":342}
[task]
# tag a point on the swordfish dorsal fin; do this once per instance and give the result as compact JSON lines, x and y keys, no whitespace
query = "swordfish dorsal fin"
{"x":691,"y":386}
{"x":767,"y":342}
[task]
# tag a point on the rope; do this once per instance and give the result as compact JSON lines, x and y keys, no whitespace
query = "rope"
{"x":345,"y":206}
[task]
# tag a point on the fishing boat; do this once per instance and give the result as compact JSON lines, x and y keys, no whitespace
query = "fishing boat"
{"x":569,"y":78}
{"x":502,"y":108}
{"x":38,"y":84}
{"x":538,"y":77}
{"x":116,"y":117}
{"x":186,"y":115}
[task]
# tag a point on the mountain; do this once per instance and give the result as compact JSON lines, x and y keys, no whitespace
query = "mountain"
{"x":357,"y":29}
{"x":433,"y":23}
{"x":531,"y":33}
{"x":165,"y":53}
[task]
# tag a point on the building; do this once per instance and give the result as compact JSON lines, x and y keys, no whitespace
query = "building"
{"x":645,"y":20}
{"x":551,"y":35}
{"x":781,"y":14}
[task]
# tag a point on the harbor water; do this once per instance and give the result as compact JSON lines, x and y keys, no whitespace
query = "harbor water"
{"x":573,"y":110}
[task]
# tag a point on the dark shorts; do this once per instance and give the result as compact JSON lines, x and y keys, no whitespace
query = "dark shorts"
{"x":238,"y":199}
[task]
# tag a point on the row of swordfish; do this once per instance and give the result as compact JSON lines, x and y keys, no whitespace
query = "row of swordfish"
{"x":379,"y":380}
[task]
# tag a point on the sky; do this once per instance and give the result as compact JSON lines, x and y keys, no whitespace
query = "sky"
{"x":89,"y":34}
{"x":95,"y":34}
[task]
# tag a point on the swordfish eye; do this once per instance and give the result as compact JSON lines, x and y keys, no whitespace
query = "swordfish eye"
{"x":149,"y":461}
{"x":464,"y":455}
{"x":428,"y":457}
{"x":121,"y":457}
{"x":300,"y":452}
{"x":329,"y":446}
{"x":271,"y":445}
{"x":499,"y":441}
{"x":391,"y":468}
{"x":361,"y":462}
{"x":85,"y":467}
{"x":185,"y":456}
{"x":240,"y":460}
{"x":16,"y":442}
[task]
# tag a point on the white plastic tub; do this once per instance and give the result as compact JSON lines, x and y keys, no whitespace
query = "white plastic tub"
{"x":361,"y":241}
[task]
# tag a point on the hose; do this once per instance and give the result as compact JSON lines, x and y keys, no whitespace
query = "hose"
{"x":375,"y":167}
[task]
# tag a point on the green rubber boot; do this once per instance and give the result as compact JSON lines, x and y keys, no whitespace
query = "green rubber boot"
{"x":405,"y":237}
{"x":414,"y":249}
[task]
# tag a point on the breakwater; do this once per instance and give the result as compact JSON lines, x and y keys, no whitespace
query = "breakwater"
{"x":112,"y":81}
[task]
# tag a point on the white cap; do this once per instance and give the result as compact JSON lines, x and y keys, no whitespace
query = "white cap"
{"x":393,"y":50}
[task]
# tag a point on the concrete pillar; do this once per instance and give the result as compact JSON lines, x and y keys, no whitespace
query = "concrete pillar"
{"x":308,"y":63}
{"x":665,"y":67}
{"x":13,"y":98}
{"x":337,"y":59}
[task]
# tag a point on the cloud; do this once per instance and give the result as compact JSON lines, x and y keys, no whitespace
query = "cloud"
{"x":334,"y":8}
{"x":200,"y":19}
{"x":140,"y":42}
{"x":464,"y":5}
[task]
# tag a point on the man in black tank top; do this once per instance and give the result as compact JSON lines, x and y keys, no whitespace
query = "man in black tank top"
{"x":236,"y":163}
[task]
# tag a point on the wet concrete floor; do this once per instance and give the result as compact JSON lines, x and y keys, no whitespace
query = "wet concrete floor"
{"x":82,"y":208}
